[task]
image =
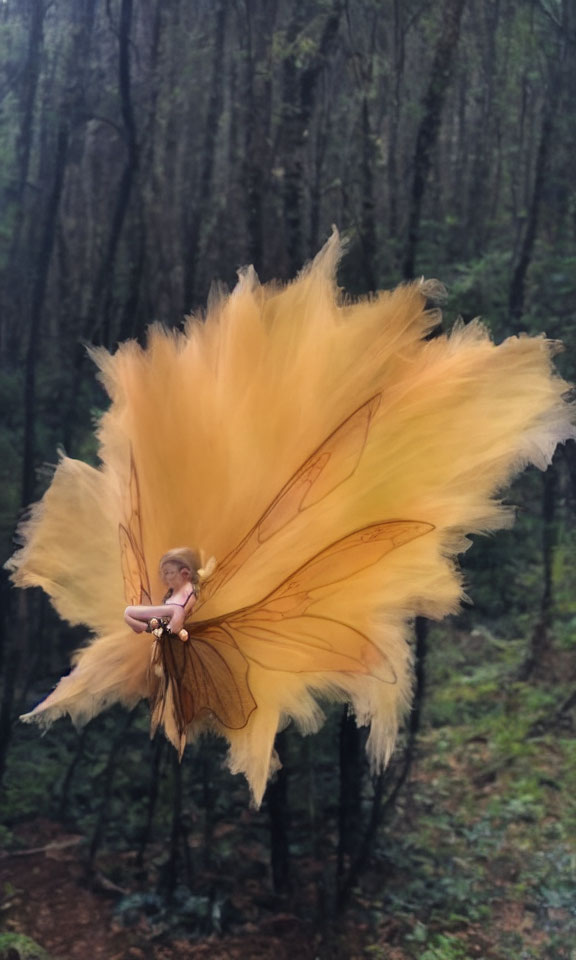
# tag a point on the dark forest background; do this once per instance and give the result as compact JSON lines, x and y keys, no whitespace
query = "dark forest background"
{"x":147,"y":149}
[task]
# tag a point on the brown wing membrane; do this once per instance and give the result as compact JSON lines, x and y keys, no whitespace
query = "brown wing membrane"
{"x":333,"y":462}
{"x":345,"y":558}
{"x":209,"y":674}
{"x":136,"y":580}
{"x":206,"y":675}
{"x":311,"y":644}
{"x":279,"y":634}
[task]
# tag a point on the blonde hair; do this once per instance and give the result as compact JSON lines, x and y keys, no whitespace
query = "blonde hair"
{"x":183,"y":557}
{"x":191,"y":560}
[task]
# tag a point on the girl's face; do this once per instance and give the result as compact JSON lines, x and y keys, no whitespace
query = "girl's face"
{"x":173,"y":575}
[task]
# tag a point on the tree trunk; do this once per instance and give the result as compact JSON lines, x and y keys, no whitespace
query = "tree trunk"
{"x":398,"y":54}
{"x":518,"y":284}
{"x":557,"y":79}
{"x":277,"y":800}
{"x":395,"y":776}
{"x":351,"y":774}
{"x":299,"y":92}
{"x":430,"y":124}
{"x":99,"y":314}
{"x":251,"y":166}
{"x":368,"y":221}
{"x":539,"y":653}
{"x":322,"y":140}
{"x":257,"y":115}
{"x":31,"y":73}
{"x":70,"y":107}
{"x":108,"y":777}
{"x":36,"y":313}
{"x":108,"y":270}
{"x":9,"y":664}
{"x":212,"y":125}
{"x":478,"y":214}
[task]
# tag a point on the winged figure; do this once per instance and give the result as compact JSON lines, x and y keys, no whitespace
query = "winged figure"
{"x":332,"y":458}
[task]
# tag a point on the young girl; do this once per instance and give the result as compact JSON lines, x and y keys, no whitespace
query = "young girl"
{"x":179,"y":572}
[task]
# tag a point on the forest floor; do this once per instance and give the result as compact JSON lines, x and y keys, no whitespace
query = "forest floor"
{"x":52,"y":900}
{"x":477,"y":860}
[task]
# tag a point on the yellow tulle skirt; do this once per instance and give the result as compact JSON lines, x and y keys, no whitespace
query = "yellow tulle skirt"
{"x":331,"y":459}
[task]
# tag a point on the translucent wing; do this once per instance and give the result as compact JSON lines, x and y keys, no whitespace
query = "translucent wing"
{"x":209,"y":674}
{"x":310,"y":644}
{"x":279,"y":633}
{"x":136,"y":580}
{"x":333,"y":462}
{"x":206,"y":675}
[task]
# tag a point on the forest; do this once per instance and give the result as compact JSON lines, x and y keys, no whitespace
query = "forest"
{"x":148,"y":150}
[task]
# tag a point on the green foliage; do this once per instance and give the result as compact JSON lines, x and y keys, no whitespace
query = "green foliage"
{"x":15,"y":946}
{"x":489,"y":822}
{"x":479,"y":288}
{"x":182,"y":914}
{"x":443,"y":947}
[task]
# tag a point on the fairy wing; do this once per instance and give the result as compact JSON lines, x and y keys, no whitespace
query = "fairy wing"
{"x":136,"y":580}
{"x":280,"y":633}
{"x":208,"y":674}
{"x":330,"y":465}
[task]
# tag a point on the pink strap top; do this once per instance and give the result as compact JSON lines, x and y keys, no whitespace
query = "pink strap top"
{"x":166,"y":600}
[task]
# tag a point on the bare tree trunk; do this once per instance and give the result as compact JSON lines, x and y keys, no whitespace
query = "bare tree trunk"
{"x":108,"y":777}
{"x":396,"y":774}
{"x":430,"y":124}
{"x":298,"y":103}
{"x":398,"y":53}
{"x":557,"y":79}
{"x":518,"y":284}
{"x":258,"y":39}
{"x":171,"y":870}
{"x":538,"y":657}
{"x":278,"y":810}
{"x":99,"y":313}
{"x":9,"y":664}
{"x":70,"y":108}
{"x":155,"y":265}
{"x":484,"y":163}
{"x":208,"y":802}
{"x":30,"y":73}
{"x":36,"y":313}
{"x":251,"y":165}
{"x":127,"y":181}
{"x":212,"y":125}
{"x":368,"y":222}
{"x":71,"y":770}
{"x":322,"y":139}
{"x":351,"y":775}
{"x":152,"y":798}
{"x":11,"y":668}
{"x":14,"y":286}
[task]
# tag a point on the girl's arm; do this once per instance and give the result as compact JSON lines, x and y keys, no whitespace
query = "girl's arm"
{"x":138,"y":617}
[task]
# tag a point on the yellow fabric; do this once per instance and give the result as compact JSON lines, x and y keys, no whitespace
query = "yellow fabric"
{"x":217,"y":420}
